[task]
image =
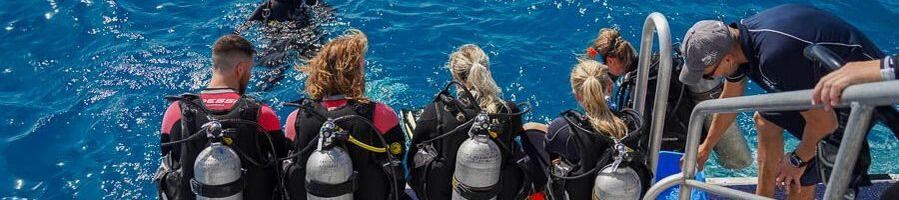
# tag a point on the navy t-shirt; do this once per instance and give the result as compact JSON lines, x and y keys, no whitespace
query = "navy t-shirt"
{"x":773,"y":41}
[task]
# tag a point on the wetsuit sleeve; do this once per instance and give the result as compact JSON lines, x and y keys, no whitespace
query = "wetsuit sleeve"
{"x":171,"y":125}
{"x":557,"y":139}
{"x":290,"y":126}
{"x":386,"y":121}
{"x":272,"y":126}
{"x":385,"y":118}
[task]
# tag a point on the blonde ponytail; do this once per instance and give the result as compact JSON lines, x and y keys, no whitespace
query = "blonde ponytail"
{"x":589,"y":79}
{"x":469,"y":65}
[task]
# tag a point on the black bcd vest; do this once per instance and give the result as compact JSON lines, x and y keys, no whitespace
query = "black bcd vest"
{"x":431,"y":179}
{"x":595,"y":151}
{"x":244,"y":136}
{"x":377,"y":176}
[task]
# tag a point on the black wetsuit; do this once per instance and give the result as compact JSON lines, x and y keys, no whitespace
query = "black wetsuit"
{"x":573,"y":141}
{"x":283,"y":10}
{"x":773,"y":42}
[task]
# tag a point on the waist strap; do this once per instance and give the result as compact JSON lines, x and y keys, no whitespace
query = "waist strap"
{"x":218,"y":191}
{"x":469,"y":192}
{"x":326,"y":190}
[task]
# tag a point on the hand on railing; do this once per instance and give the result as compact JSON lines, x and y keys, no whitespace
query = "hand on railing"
{"x":830,"y":87}
{"x":701,"y":158}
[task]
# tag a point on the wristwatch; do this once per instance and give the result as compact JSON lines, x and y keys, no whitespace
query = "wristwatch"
{"x":796,"y":161}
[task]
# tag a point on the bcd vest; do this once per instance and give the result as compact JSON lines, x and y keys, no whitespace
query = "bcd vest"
{"x":595,"y":151}
{"x":242,"y":134}
{"x":377,"y":175}
{"x":431,"y":158}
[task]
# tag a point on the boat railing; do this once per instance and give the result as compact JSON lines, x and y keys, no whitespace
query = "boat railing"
{"x":860,"y":98}
{"x":655,"y":23}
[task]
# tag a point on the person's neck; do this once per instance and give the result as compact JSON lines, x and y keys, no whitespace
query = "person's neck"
{"x":740,"y":56}
{"x":219,"y":81}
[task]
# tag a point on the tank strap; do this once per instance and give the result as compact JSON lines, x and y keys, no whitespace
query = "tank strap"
{"x":469,"y":192}
{"x":218,"y":191}
{"x":326,"y":190}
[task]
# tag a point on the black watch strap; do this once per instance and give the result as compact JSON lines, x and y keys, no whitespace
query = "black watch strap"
{"x":797,"y":161}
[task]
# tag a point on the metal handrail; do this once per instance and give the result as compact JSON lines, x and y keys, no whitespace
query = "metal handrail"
{"x":655,"y":23}
{"x":861,"y":98}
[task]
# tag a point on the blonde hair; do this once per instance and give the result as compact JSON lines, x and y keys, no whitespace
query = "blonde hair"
{"x":609,"y":43}
{"x":469,"y":65}
{"x":338,"y":68}
{"x":589,"y":79}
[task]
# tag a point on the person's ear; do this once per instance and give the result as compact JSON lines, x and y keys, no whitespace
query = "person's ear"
{"x":242,"y":68}
{"x":611,"y":61}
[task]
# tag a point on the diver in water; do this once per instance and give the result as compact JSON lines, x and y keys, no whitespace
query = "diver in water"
{"x":372,"y":145}
{"x":252,"y":129}
{"x":283,"y":10}
{"x":442,"y":132}
{"x":595,"y":154}
{"x":292,"y":27}
{"x":620,"y":57}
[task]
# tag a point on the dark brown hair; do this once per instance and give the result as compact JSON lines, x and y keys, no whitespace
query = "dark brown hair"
{"x":609,"y":43}
{"x":228,"y":47}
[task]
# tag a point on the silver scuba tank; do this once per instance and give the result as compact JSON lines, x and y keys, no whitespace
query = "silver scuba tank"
{"x":617,"y":182}
{"x":477,"y":163}
{"x":329,"y":164}
{"x":732,"y":149}
{"x":216,"y":165}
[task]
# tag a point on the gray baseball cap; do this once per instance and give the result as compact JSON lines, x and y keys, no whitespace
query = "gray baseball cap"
{"x":705,"y":45}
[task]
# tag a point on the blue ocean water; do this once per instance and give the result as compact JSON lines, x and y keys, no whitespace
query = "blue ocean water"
{"x":83,"y":81}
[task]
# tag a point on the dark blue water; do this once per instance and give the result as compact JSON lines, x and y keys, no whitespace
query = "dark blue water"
{"x":83,"y":81}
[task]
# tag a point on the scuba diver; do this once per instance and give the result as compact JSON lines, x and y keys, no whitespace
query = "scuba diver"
{"x":621,"y":58}
{"x":485,"y":163}
{"x":347,"y":146}
{"x":595,"y":154}
{"x":293,"y":28}
{"x":220,"y":143}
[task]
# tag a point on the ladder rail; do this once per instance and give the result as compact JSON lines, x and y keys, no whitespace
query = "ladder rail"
{"x":655,"y":23}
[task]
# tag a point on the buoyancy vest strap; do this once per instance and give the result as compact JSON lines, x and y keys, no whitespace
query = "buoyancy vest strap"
{"x":448,"y":133}
{"x":469,"y":192}
{"x":325,"y":190}
{"x":467,"y":93}
{"x":218,"y":191}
